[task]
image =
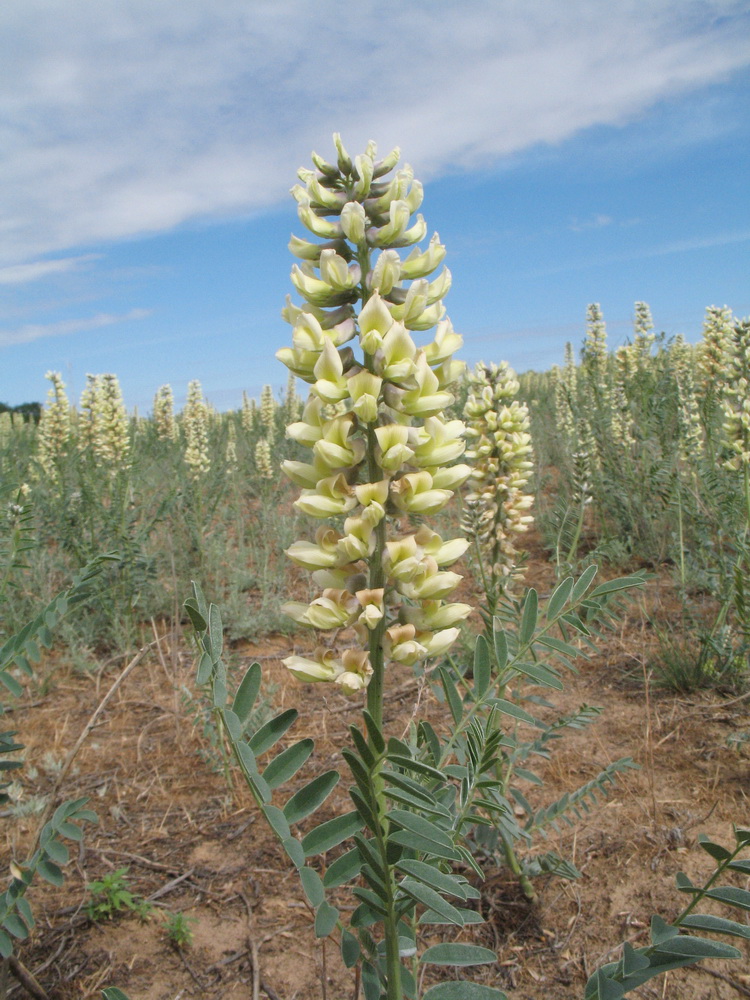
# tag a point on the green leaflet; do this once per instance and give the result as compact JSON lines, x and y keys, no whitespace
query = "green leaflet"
{"x":247,"y":692}
{"x":458,"y":954}
{"x":416,"y":843}
{"x":432,"y":877}
{"x":273,"y":730}
{"x":329,"y":834}
{"x":286,"y":764}
{"x":50,"y":872}
{"x":421,"y":826}
{"x":529,"y":616}
{"x":468,"y":917}
{"x":215,"y":633}
{"x":432,"y":900}
{"x":511,"y":709}
{"x":453,"y":697}
{"x":326,"y":917}
{"x":583,"y":583}
{"x":500,"y":643}
{"x":559,"y":598}
{"x":696,"y":948}
{"x":311,"y":797}
{"x":708,"y":922}
{"x":277,"y":821}
{"x":482,"y":674}
{"x":463,"y":991}
{"x":312,"y":884}
{"x":732,"y":896}
{"x":343,"y":869}
{"x":350,"y":950}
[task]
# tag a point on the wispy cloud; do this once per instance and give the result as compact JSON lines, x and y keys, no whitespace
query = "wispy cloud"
{"x":595,"y":222}
{"x":126,"y":119}
{"x":35,"y":331}
{"x":22,"y":274}
{"x":645,"y":252}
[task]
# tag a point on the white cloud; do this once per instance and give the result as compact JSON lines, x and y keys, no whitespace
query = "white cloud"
{"x":125,"y":119}
{"x":598,"y":221}
{"x":22,"y":274}
{"x":35,"y":331}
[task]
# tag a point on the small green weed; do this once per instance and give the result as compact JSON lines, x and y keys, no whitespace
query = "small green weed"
{"x":112,"y":894}
{"x":179,"y":931}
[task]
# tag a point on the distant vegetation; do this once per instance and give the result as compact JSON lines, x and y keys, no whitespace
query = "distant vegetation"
{"x":29,"y":411}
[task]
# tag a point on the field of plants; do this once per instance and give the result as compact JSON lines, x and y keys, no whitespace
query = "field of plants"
{"x":431,"y":684}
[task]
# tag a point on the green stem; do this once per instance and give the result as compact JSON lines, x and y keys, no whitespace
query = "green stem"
{"x":512,"y":862}
{"x":375,"y":691}
{"x":681,"y":536}
{"x":577,"y":536}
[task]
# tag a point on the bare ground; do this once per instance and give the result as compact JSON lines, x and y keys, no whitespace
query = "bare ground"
{"x":192,"y":848}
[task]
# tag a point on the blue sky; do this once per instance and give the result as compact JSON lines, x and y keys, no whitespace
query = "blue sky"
{"x":571,"y":152}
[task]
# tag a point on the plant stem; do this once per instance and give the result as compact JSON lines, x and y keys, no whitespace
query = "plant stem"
{"x":375,"y":690}
{"x":512,"y":862}
{"x":577,"y":536}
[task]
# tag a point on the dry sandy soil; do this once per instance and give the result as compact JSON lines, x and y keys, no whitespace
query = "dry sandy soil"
{"x":193,"y":849}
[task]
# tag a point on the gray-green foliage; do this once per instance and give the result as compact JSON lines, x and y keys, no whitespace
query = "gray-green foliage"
{"x":228,"y":526}
{"x":637,"y":445}
{"x":17,"y":654}
{"x":673,"y":946}
{"x":418,"y":802}
{"x":47,"y":861}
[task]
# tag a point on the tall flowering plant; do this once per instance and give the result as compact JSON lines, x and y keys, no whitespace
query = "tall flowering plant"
{"x":382,"y":457}
{"x":388,"y":450}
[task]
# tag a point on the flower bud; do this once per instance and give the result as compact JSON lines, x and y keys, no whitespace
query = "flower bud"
{"x":317,"y":225}
{"x":373,"y":607}
{"x":387,"y":164}
{"x":358,"y":541}
{"x":330,"y":384}
{"x":364,"y":389}
{"x":333,"y":609}
{"x":392,"y":451}
{"x":336,"y":449}
{"x":323,"y":667}
{"x":426,"y":399}
{"x":446,"y":342}
{"x":401,"y":559}
{"x":414,"y":493}
{"x":387,"y":272}
{"x":332,"y":496}
{"x":375,"y":321}
{"x":434,"y":614}
{"x":437,"y":643}
{"x":322,"y":554}
{"x":395,"y":359}
{"x":444,"y":553}
{"x":337,"y":273}
{"x":363,"y":167}
{"x":356,"y":672}
{"x":353,"y":222}
{"x":344,"y":160}
{"x":394,"y":230}
{"x":309,"y":429}
{"x":420,"y":263}
{"x":401,"y":645}
{"x":450,"y":478}
{"x":437,"y":442}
